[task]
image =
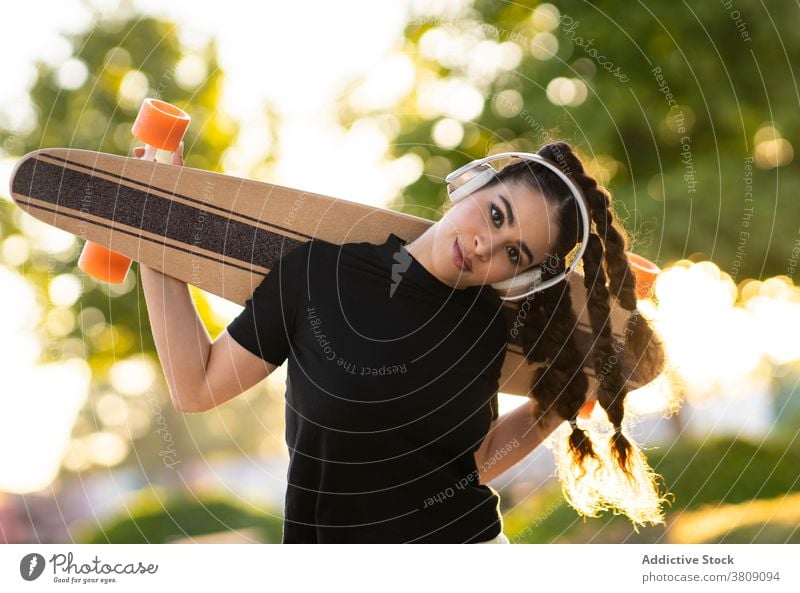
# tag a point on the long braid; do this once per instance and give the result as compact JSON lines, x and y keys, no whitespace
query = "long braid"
{"x":643,"y":346}
{"x":611,"y":390}
{"x":548,"y":334}
{"x":561,"y":384}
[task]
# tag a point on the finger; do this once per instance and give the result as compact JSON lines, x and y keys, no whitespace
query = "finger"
{"x":177,"y":156}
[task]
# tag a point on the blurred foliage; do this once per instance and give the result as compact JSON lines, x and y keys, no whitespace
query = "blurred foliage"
{"x":715,"y":472}
{"x":155,"y":522}
{"x":123,"y":58}
{"x":728,"y":75}
{"x":786,"y":387}
{"x":760,"y":534}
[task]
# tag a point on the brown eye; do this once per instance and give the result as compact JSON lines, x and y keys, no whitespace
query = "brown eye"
{"x":492,"y":210}
{"x":498,"y":223}
{"x":515,"y":258}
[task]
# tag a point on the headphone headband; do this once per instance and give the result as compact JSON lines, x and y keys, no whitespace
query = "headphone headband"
{"x":464,"y":181}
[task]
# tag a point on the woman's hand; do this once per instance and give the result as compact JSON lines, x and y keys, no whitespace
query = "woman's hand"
{"x":177,"y":159}
{"x":177,"y":156}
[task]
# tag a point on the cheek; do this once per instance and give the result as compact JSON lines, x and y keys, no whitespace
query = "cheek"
{"x":496,"y":270}
{"x":466,"y":216}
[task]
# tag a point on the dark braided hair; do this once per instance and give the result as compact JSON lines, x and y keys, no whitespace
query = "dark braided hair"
{"x":547,"y":335}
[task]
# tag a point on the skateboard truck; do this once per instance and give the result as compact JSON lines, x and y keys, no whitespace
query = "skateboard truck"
{"x":160,"y":126}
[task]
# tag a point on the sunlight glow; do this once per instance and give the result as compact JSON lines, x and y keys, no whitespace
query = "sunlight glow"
{"x":132,"y":89}
{"x":544,"y":46}
{"x":385,"y":84}
{"x":40,"y":402}
{"x":190,"y":71}
{"x":567,"y":91}
{"x":604,"y":486}
{"x":545,"y":17}
{"x":133,"y":376}
{"x":64,"y":290}
{"x":453,"y":97}
{"x":448,"y":133}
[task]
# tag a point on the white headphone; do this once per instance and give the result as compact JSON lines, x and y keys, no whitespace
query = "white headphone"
{"x":474,"y":175}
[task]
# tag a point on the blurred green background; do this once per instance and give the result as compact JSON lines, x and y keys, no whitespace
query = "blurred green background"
{"x":687,"y":114}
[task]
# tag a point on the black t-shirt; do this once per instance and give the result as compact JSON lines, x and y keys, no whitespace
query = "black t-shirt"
{"x":391,"y":386}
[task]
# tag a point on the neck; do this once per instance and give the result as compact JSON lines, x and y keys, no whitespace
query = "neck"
{"x":421,"y":249}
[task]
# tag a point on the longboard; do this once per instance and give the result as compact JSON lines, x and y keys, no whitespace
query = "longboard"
{"x":223,"y":234}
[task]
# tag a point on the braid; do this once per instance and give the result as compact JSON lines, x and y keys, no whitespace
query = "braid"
{"x":561,"y":384}
{"x":642,"y":346}
{"x":612,"y":389}
{"x":615,"y":241}
{"x":547,"y":335}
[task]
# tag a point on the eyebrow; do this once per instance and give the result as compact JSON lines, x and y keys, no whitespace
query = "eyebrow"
{"x":510,"y":218}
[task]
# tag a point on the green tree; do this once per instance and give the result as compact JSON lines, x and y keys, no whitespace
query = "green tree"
{"x":678,"y":163}
{"x":90,"y":102}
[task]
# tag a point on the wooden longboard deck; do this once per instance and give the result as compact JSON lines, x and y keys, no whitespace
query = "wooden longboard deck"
{"x":223,"y":234}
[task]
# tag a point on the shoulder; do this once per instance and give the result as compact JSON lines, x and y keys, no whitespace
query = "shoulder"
{"x":358,"y":255}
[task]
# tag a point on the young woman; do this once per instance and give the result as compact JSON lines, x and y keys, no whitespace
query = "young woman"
{"x":395,"y":352}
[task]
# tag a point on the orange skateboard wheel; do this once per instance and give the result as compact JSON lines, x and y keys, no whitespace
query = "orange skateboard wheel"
{"x":646,"y":273}
{"x":586,"y":409}
{"x":103,"y":264}
{"x":161,"y":126}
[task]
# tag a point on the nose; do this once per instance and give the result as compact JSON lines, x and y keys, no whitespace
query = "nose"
{"x":481,"y":248}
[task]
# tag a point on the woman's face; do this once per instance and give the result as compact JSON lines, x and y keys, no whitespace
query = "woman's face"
{"x":501,"y":231}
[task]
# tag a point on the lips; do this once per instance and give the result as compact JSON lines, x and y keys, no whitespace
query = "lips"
{"x":458,"y":257}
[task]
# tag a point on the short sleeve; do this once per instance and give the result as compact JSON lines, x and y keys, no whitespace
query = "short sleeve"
{"x":266,"y":324}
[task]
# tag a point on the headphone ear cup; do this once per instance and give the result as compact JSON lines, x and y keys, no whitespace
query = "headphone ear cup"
{"x":469,"y":181}
{"x":520,"y":284}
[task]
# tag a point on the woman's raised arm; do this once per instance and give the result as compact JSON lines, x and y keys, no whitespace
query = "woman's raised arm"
{"x":200,"y":375}
{"x":511,"y":438}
